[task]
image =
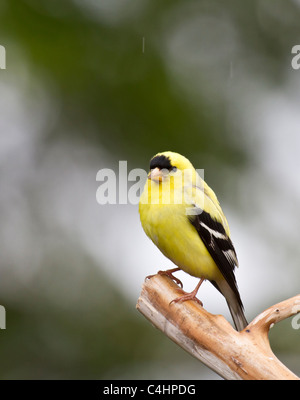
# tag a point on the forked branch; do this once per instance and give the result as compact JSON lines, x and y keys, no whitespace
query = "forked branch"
{"x":211,"y":339}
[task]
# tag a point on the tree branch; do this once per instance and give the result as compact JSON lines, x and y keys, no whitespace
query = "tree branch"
{"x":211,"y":339}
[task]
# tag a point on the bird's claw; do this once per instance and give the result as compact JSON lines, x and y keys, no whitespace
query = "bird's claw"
{"x":170,"y":275}
{"x":187,"y":296}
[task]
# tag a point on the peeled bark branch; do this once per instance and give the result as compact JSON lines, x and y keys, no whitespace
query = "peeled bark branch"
{"x":211,"y":339}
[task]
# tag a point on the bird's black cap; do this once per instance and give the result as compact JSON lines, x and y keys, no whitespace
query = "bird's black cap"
{"x":161,"y":162}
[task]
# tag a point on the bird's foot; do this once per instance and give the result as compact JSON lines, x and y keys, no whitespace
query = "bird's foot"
{"x":169,"y":273}
{"x":190,"y":296}
{"x":185,"y":297}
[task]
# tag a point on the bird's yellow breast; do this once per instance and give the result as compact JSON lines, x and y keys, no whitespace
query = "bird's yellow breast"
{"x":168,"y":226}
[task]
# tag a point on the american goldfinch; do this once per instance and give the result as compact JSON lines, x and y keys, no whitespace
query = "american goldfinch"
{"x":181,"y":214}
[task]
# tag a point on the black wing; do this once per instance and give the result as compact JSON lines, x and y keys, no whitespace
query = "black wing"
{"x":219,"y":245}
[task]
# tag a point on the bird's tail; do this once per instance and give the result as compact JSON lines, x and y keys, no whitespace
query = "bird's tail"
{"x":234,"y":302}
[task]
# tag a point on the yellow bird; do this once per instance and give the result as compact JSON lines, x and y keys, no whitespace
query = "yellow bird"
{"x":181,"y":214}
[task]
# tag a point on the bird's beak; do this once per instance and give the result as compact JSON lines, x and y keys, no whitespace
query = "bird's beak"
{"x":155,"y":175}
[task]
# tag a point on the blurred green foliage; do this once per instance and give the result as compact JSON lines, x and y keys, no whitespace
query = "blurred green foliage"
{"x":102,"y":77}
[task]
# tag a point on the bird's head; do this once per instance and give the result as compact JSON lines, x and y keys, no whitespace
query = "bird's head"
{"x":166,"y":164}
